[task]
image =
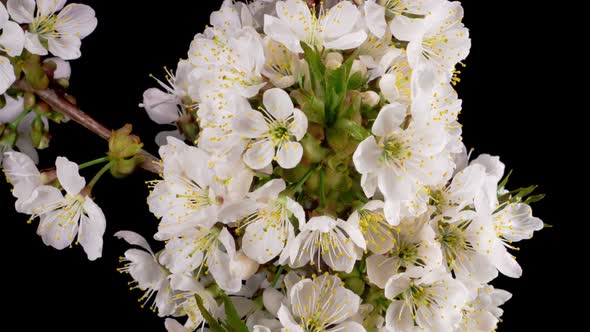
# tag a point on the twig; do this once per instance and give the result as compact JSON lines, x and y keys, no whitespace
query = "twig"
{"x":66,"y":108}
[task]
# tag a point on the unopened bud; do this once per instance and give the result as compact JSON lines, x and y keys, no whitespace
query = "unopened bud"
{"x":39,"y":134}
{"x":356,"y":285}
{"x":35,"y":73}
{"x":30,"y":100}
{"x":8,"y":138}
{"x":334,"y":60}
{"x":370,"y":98}
{"x":189,"y":128}
{"x":123,"y":144}
{"x":41,"y":108}
{"x":244,"y":266}
{"x":358,"y":66}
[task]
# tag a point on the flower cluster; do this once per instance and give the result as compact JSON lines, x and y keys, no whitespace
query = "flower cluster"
{"x":316,"y":179}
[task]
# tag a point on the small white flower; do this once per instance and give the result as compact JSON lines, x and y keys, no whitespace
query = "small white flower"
{"x":377,"y":231}
{"x":396,"y":77}
{"x":282,"y":66}
{"x":12,"y":41}
{"x":334,"y":241}
{"x":412,"y":245}
{"x":398,"y":159}
{"x":483,"y":314}
{"x":62,"y":218}
{"x":425,"y":302}
{"x":321,"y":304}
{"x":264,"y":219}
{"x":198,"y":249}
{"x":296,"y":23}
{"x":277,"y":129}
{"x":53,"y":27}
{"x":186,"y":305}
{"x":440,"y":40}
{"x":377,"y":12}
{"x":148,"y":275}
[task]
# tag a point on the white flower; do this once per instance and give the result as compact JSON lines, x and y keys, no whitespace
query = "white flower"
{"x":378,"y":233}
{"x":60,"y":33}
{"x":64,"y":217}
{"x":264,"y":219}
{"x":186,"y":305}
{"x":282,"y":66}
{"x":396,"y":77}
{"x":167,"y":105}
{"x":412,"y":245}
{"x":430,"y":302}
{"x":321,"y":304}
{"x":378,"y":11}
{"x":440,"y":40}
{"x":198,"y":249}
{"x":401,"y":158}
{"x":277,"y":129}
{"x":334,"y":241}
{"x":296,"y":23}
{"x":148,"y":275}
{"x":12,"y":39}
{"x":24,"y":176}
{"x":483,"y":314}
{"x":190,"y":195}
{"x":228,"y":67}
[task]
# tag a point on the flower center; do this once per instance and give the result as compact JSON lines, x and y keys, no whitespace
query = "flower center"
{"x":395,"y":152}
{"x":279,"y":132}
{"x":44,"y":26}
{"x":453,"y":240}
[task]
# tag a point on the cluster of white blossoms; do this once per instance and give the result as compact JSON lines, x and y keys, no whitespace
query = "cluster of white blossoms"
{"x":316,"y":179}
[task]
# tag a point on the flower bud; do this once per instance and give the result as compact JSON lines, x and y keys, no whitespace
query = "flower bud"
{"x":34,"y":72}
{"x":39,"y":134}
{"x":244,"y":266}
{"x":313,"y":152}
{"x":358,"y":66}
{"x":370,"y":98}
{"x":189,"y":128}
{"x":334,"y":60}
{"x":123,"y":150}
{"x":356,"y":285}
{"x":29,"y":100}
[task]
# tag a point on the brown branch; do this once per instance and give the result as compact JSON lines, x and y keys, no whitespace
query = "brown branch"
{"x":66,"y":108}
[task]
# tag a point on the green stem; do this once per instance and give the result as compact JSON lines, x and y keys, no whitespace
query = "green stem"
{"x":95,"y":162}
{"x":297,"y":186}
{"x":100,"y":173}
{"x":14,"y":124}
{"x":277,"y":276}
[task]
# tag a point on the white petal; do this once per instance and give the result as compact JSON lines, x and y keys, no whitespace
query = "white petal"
{"x":298,"y":127}
{"x":399,"y":318}
{"x":262,"y":242}
{"x":388,"y":87}
{"x":269,"y":191}
{"x":48,"y":7}
{"x":494,"y":167}
{"x":219,"y":264}
{"x":40,"y":198}
{"x":349,"y":326}
{"x":57,"y":229}
{"x":12,"y":109}
{"x":272,"y":300}
{"x":381,"y":268}
{"x":66,"y":47}
{"x":250,"y":124}
{"x":369,"y":184}
{"x":340,"y":20}
{"x":517,"y":222}
{"x":389,"y":119}
{"x":12,"y":39}
{"x":282,"y":33}
{"x":3,"y":15}
{"x":348,"y":41}
{"x":22,"y":11}
{"x":7,"y":76}
{"x":392,"y":211}
{"x":375,"y":18}
{"x":33,"y":44}
{"x":289,"y":155}
{"x":396,"y":285}
{"x":297,"y":211}
{"x":228,"y":243}
{"x":134,"y":239}
{"x":68,"y":174}
{"x":278,"y":103}
{"x":297,"y":15}
{"x":366,"y":157}
{"x":260,"y":155}
{"x":172,"y":325}
{"x":92,"y":229}
{"x":63,"y":70}
{"x":160,"y":106}
{"x":22,"y":174}
{"x":407,"y":29}
{"x":354,"y":233}
{"x":77,"y":20}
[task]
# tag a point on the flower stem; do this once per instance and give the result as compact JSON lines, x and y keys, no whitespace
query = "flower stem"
{"x":94,"y":162}
{"x":98,"y":175}
{"x":64,"y":107}
{"x":14,"y":124}
{"x":297,"y":185}
{"x":277,"y":276}
{"x":322,"y":189}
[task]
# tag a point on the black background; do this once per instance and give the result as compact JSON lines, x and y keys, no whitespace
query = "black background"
{"x":514,"y":107}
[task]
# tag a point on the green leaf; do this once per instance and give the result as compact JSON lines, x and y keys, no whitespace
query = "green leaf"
{"x":214,"y":325}
{"x":355,"y":130}
{"x":356,"y":81}
{"x":534,"y":199}
{"x":233,"y":320}
{"x":504,"y":181}
{"x":523,"y":192}
{"x":316,"y":67}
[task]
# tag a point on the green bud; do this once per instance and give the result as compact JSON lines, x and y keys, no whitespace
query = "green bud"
{"x":9,"y":136}
{"x":337,"y":138}
{"x":34,"y":72}
{"x":30,"y":100}
{"x":42,"y":108}
{"x":39,"y":135}
{"x":312,"y":106}
{"x":63,"y":82}
{"x":189,"y":128}
{"x":356,"y":285}
{"x":124,"y":145}
{"x":124,"y":167}
{"x":313,"y":152}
